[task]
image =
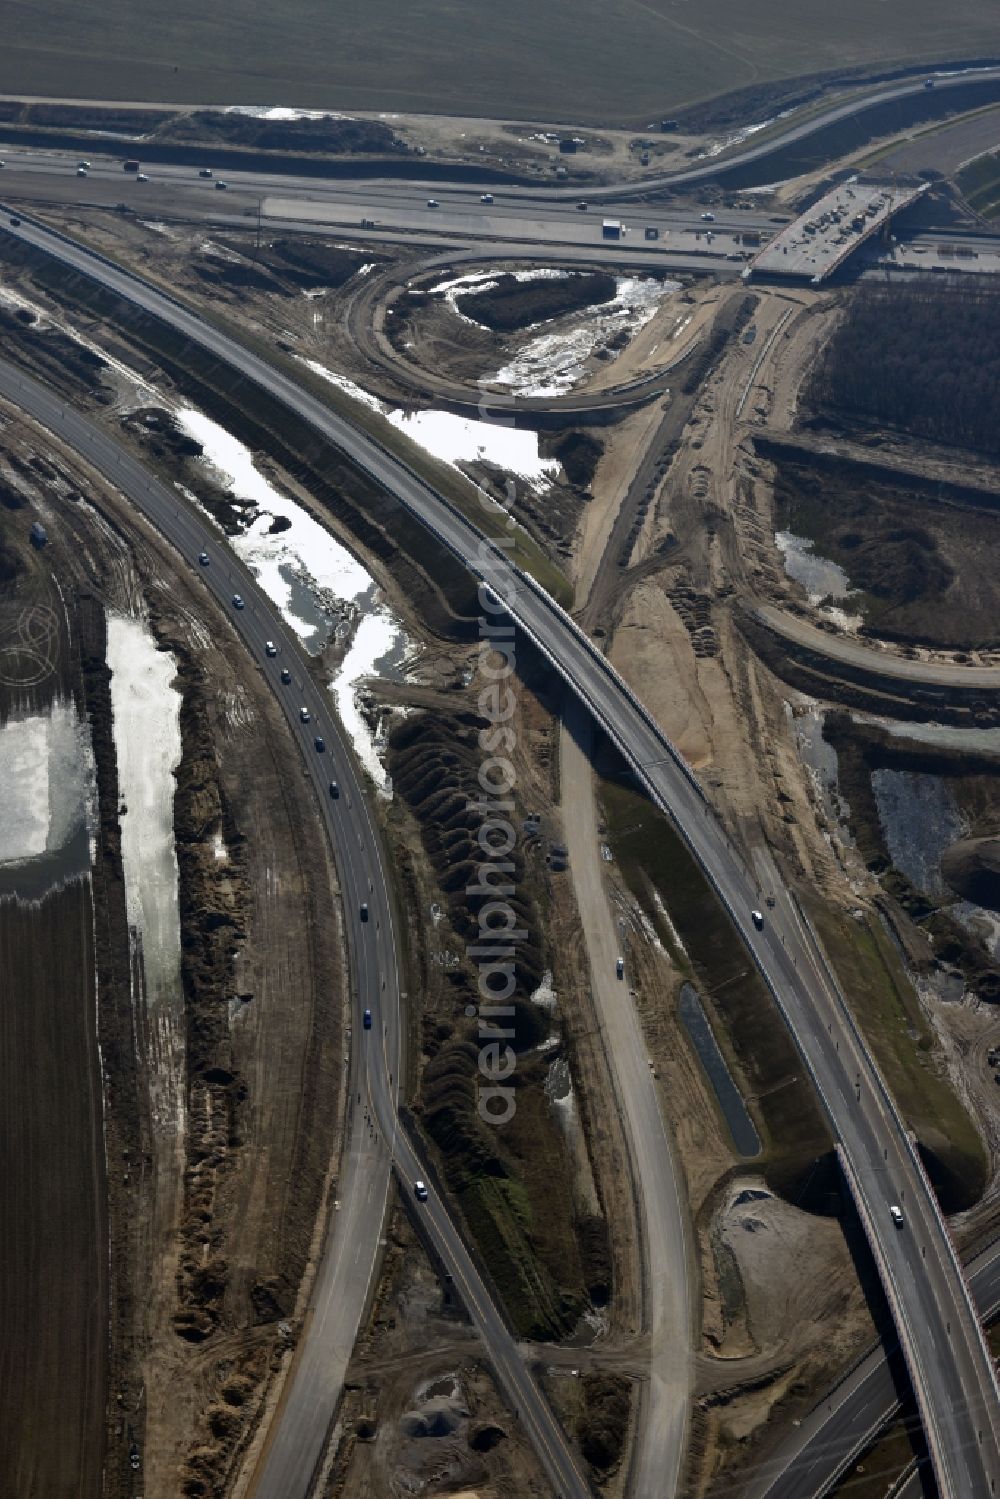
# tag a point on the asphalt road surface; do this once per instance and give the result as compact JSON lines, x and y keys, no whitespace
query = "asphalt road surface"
{"x":857,"y":102}
{"x":849,"y":1418}
{"x":293,"y":1452}
{"x":658,"y":1181}
{"x":868,"y":658}
{"x":952,"y":1373}
{"x":392,"y":211}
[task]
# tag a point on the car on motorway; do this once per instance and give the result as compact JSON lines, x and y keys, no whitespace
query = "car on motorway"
{"x":896,"y":1214}
{"x":366,"y":1020}
{"x":83,"y":166}
{"x":334,"y":791}
{"x":286,"y":675}
{"x":238,"y":601}
{"x":320,"y":745}
{"x":141,"y":177}
{"x":483,"y":197}
{"x":620,"y":968}
{"x":433,"y":203}
{"x":304,"y":715}
{"x":203,"y":558}
{"x":757,"y":917}
{"x":205,"y":172}
{"x":15,"y":222}
{"x":81,"y":171}
{"x":583,"y":206}
{"x":420,"y":1191}
{"x":222,"y":187}
{"x":270,"y":649}
{"x":709,"y":218}
{"x":364,"y":910}
{"x":3,"y":163}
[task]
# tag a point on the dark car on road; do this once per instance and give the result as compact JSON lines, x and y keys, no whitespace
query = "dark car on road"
{"x":320,"y":744}
{"x":286,"y":675}
{"x":364,"y":910}
{"x":367,"y":1020}
{"x":334,"y":790}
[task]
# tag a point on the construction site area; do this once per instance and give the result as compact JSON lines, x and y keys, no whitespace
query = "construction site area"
{"x":264,"y":726}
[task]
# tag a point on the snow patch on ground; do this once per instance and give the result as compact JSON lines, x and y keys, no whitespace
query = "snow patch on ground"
{"x":378,"y":646}
{"x":146,"y":709}
{"x":459,"y":439}
{"x":284,"y":112}
{"x":545,"y":994}
{"x":320,"y":588}
{"x":300,"y":568}
{"x":553,"y":363}
{"x":47,"y":772}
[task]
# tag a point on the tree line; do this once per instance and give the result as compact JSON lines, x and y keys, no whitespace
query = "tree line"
{"x":924,"y":359}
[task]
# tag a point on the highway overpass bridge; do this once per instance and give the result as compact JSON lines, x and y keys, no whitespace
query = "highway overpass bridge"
{"x":823,"y":238}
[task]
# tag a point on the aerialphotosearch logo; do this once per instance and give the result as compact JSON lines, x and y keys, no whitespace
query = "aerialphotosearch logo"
{"x":494,"y":951}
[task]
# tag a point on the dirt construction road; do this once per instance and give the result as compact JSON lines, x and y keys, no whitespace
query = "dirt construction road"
{"x":663,"y":1418}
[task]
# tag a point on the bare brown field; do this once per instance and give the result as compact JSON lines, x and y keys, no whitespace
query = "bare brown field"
{"x":53,"y":1287}
{"x":556,"y":62}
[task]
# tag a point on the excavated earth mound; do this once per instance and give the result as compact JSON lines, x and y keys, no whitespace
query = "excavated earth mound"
{"x":972,"y":869}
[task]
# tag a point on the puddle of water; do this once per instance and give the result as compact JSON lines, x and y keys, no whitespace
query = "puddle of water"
{"x":553,"y":363}
{"x":741,"y":1126}
{"x":820,"y":760}
{"x":821,"y":578}
{"x":49,"y":806}
{"x":919,"y":821}
{"x":942,"y":735}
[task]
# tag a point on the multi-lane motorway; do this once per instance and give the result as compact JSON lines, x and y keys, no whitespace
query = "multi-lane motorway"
{"x":821,"y":1448}
{"x":948,"y":1363}
{"x":375,"y":1144}
{"x":381,"y":211}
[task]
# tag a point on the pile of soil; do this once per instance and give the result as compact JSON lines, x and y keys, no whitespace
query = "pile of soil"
{"x":313,"y":263}
{"x":972,"y":869}
{"x":602,"y":1427}
{"x":579,"y":453}
{"x":330,"y":135}
{"x":897,"y":564}
{"x":513,"y":304}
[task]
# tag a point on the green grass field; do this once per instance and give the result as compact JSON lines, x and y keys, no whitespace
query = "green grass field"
{"x":627,"y":60}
